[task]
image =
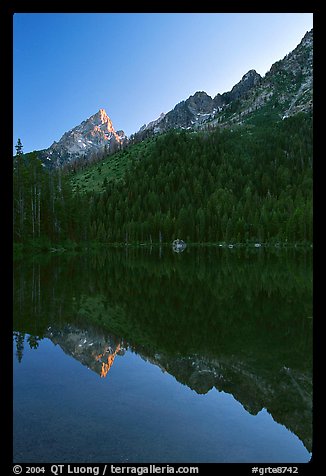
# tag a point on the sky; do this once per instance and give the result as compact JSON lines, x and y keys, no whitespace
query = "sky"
{"x":134,"y":65}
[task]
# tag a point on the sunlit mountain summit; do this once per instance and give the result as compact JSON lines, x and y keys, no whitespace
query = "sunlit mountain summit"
{"x":285,"y":90}
{"x":93,"y":137}
{"x":90,"y":348}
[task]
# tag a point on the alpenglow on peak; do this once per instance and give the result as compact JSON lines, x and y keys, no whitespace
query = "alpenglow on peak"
{"x":94,"y":136}
{"x":103,"y":116}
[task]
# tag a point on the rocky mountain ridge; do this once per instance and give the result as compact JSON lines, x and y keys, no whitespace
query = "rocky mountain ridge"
{"x":93,"y":137}
{"x":286,"y":89}
{"x":200,"y":108}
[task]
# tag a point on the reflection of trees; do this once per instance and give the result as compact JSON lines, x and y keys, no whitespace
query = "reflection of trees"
{"x":19,"y":339}
{"x":33,"y":341}
{"x":284,"y":392}
{"x":207,"y":300}
{"x":244,"y":316}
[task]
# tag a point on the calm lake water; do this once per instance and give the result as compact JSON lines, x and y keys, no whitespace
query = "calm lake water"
{"x":145,"y":355}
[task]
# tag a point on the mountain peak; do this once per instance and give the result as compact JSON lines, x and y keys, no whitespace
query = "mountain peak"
{"x":252,"y":73}
{"x":101,"y":118}
{"x":95,"y":135}
{"x":286,"y":88}
{"x":308,"y":38}
{"x":247,"y":82}
{"x":102,"y":115}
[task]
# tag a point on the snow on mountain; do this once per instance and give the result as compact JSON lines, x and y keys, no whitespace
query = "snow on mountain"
{"x":286,"y":89}
{"x":94,"y":136}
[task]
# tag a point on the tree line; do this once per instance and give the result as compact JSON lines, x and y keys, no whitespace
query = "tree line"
{"x":227,"y":185}
{"x":44,"y":209}
{"x":249,"y":183}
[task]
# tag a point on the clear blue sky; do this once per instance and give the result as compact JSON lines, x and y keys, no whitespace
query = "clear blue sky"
{"x":135,"y":66}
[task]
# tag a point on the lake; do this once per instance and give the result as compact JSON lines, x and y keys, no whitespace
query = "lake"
{"x":141,"y":355}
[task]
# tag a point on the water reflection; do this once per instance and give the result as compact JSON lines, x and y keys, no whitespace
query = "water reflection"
{"x":214,"y":319}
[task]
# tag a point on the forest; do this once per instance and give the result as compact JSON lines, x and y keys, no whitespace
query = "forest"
{"x":245,"y":184}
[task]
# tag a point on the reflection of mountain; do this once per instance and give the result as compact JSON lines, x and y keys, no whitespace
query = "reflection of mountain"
{"x":239,"y":322}
{"x":287,"y":395}
{"x":91,"y":349}
{"x":106,"y":365}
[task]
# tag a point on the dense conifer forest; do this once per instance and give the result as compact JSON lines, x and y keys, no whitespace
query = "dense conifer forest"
{"x":243,"y":184}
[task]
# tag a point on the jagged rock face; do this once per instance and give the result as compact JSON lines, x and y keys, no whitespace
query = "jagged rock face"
{"x":93,"y":136}
{"x":219,"y":101}
{"x":287,"y":87}
{"x":298,"y":61}
{"x":200,"y":108}
{"x":153,"y":124}
{"x":186,"y":114}
{"x":248,"y":81}
{"x":200,"y":102}
{"x":297,"y":66}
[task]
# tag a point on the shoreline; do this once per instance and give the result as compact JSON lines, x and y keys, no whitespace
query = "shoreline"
{"x":23,"y":249}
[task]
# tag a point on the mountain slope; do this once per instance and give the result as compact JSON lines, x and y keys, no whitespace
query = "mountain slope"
{"x":286,"y":89}
{"x":234,"y":184}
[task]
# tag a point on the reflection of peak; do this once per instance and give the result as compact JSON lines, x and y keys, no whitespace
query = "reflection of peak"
{"x":253,"y":389}
{"x":285,"y":393}
{"x":110,"y":359}
{"x":88,"y":347}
